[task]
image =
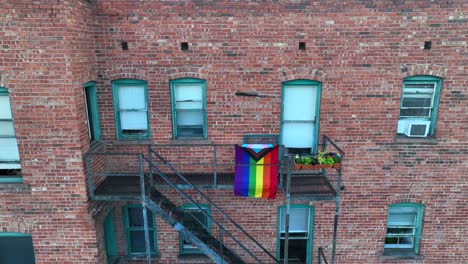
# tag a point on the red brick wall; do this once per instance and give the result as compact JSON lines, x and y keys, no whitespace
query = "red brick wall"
{"x":46,"y":55}
{"x":359,"y":50}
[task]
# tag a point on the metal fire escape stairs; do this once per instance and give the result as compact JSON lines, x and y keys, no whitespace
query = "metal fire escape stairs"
{"x":230,"y":243}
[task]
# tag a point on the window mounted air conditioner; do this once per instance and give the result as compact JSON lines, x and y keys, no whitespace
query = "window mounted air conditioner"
{"x":417,"y":128}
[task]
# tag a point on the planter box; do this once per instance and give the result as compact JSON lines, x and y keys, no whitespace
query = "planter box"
{"x":316,"y":166}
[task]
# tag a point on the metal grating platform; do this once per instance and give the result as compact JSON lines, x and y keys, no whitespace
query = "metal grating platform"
{"x":314,"y":187}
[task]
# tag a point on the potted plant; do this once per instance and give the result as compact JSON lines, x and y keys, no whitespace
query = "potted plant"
{"x":324,"y":159}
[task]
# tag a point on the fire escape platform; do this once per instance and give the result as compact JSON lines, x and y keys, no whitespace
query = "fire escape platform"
{"x":310,"y":186}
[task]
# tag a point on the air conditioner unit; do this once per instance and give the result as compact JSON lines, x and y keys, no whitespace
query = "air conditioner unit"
{"x":417,"y":128}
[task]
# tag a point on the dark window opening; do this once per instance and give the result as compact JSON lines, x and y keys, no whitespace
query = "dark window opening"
{"x":124,"y":45}
{"x":427,"y":45}
{"x":184,"y":46}
{"x":92,"y":136}
{"x":297,"y":253}
{"x":16,"y":249}
{"x":299,"y":151}
{"x":302,"y":45}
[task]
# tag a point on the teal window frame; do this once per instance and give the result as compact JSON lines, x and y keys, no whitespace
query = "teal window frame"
{"x":425,"y":79}
{"x":10,"y":179}
{"x":191,"y":207}
{"x":128,"y":229}
{"x":416,"y":234}
{"x":303,"y":82}
{"x":109,"y":236}
{"x":310,"y":239}
{"x":92,"y":110}
{"x":201,"y":82}
{"x":115,"y":86}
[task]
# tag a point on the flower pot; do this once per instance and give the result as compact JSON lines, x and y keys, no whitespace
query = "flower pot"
{"x":315,"y":166}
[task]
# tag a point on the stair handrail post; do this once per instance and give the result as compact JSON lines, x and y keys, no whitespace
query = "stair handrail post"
{"x":337,"y":211}
{"x":144,"y":209}
{"x":288,"y":212}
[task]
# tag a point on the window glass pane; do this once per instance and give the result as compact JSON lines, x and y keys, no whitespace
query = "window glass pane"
{"x":297,"y":253}
{"x":189,"y":105}
{"x":298,"y":220}
{"x":401,"y":219}
{"x":188,"y":92}
{"x":399,"y":242}
{"x":189,"y":118}
{"x":400,"y":231}
{"x":131,"y":97}
{"x":7,"y":129}
{"x":9,"y":149}
{"x":428,"y":87}
{"x":416,"y":112}
{"x":195,"y":218}
{"x":135,"y":217}
{"x":416,"y":102}
{"x":299,"y":102}
{"x":5,"y":109}
{"x":133,"y":121}
{"x":298,"y":135}
{"x":190,"y":131}
{"x":17,"y":250}
{"x":137,"y":241}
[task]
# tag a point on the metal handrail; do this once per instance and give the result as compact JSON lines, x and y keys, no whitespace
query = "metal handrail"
{"x":321,"y":256}
{"x":151,"y":151}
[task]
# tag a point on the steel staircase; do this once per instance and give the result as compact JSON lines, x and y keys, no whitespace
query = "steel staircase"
{"x":220,"y":244}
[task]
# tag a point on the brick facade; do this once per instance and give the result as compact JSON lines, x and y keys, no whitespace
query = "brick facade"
{"x":359,"y":50}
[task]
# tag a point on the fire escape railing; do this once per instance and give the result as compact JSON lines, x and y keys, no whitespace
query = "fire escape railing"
{"x":160,"y":168}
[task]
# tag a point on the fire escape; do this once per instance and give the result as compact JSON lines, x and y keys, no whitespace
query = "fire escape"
{"x":164,"y":177}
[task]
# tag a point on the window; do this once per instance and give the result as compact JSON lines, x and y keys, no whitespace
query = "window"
{"x":131,"y":109}
{"x":188,"y":108}
{"x":419,"y":104}
{"x":92,"y":111}
{"x":109,"y":236}
{"x":299,"y":116}
{"x":135,"y":231}
{"x":9,"y":154}
{"x":403,"y":228}
{"x":195,"y":217}
{"x":300,"y":233}
{"x":16,"y":248}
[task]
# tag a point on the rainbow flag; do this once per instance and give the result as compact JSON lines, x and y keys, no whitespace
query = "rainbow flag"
{"x":256,"y":172}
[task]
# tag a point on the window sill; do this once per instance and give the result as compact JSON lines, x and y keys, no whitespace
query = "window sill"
{"x":395,"y":254}
{"x":401,"y":139}
{"x":140,"y":257}
{"x":128,"y":142}
{"x":191,"y":141}
{"x":14,"y":187}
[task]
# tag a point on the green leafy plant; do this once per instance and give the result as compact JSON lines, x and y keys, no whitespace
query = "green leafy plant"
{"x":323,"y":157}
